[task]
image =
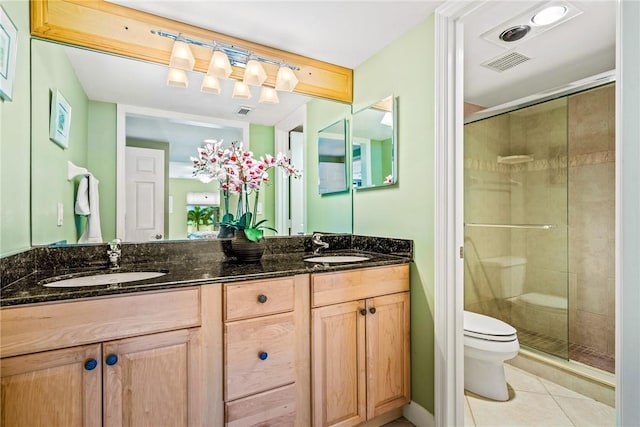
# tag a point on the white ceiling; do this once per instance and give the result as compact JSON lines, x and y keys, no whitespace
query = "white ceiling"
{"x":347,"y":33}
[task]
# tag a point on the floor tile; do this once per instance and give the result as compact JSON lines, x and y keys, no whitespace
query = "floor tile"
{"x":587,"y":412}
{"x":520,"y":380}
{"x":557,"y":390}
{"x":523,"y":410}
{"x":400,"y":422}
{"x":468,"y":417}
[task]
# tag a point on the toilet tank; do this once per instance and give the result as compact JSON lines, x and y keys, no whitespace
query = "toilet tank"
{"x":506,"y":274}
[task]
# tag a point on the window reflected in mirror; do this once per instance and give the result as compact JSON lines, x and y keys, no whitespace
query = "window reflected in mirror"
{"x":374,"y":145}
{"x":332,"y":158}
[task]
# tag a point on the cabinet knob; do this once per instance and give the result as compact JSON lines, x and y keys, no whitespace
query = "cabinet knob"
{"x":112,"y":359}
{"x":363,"y":311}
{"x":263,"y":355}
{"x":262,"y":298}
{"x":372,"y":310}
{"x":90,"y":364}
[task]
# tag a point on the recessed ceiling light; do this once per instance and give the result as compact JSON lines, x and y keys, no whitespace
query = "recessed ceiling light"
{"x":549,"y":15}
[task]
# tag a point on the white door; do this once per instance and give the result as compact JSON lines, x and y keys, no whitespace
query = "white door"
{"x":144,"y":179}
{"x":296,"y":185}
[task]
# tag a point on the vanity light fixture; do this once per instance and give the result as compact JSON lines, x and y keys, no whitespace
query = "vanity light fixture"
{"x":549,"y":15}
{"x":269,"y":95}
{"x":210,"y":84}
{"x":219,"y":66}
{"x":181,"y":56}
{"x":286,"y":80}
{"x":177,"y":78}
{"x":223,"y":58}
{"x":241,"y":91}
{"x":254,"y":73}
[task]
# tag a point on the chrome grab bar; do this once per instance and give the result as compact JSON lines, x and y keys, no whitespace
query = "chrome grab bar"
{"x":532,"y":226}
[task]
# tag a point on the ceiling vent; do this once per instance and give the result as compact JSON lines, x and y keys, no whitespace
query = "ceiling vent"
{"x":505,"y":62}
{"x":243,"y":110}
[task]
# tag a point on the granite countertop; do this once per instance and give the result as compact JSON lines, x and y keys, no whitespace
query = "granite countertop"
{"x":29,"y":290}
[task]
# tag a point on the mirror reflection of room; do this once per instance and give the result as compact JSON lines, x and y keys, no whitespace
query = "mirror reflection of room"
{"x":121,"y":106}
{"x":373,"y":145}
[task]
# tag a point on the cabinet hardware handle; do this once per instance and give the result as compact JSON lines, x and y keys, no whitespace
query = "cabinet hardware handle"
{"x":90,"y":364}
{"x":263,"y":355}
{"x":262,"y":298}
{"x":363,"y":311}
{"x":112,"y":359}
{"x":372,"y":310}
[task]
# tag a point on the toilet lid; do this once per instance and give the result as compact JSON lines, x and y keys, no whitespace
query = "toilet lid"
{"x":488,"y":328}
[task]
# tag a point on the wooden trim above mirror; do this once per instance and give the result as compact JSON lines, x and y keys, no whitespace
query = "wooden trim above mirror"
{"x":99,"y":25}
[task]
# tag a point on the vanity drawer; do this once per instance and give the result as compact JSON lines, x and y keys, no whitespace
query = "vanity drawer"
{"x":273,"y":408}
{"x":246,"y":372}
{"x":258,"y":298}
{"x":35,"y":328}
{"x":342,"y":286}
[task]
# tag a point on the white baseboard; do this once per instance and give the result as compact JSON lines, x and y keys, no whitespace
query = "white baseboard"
{"x":418,"y":416}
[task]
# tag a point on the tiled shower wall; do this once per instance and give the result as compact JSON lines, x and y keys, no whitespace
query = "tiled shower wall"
{"x":592,"y":219}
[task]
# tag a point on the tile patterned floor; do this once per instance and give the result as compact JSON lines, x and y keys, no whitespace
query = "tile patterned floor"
{"x":536,"y":402}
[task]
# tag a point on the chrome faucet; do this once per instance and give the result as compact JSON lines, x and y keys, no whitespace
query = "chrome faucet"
{"x":318,"y":244}
{"x":114,"y":253}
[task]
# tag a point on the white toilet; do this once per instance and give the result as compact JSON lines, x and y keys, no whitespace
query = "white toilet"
{"x":488,"y":342}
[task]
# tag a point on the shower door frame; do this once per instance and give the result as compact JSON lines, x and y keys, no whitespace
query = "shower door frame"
{"x":449,"y":277}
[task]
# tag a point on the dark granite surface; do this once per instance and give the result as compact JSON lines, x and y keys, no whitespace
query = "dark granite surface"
{"x":185,"y":263}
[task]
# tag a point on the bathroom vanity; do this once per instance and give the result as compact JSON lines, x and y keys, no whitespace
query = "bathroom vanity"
{"x":270,"y":343}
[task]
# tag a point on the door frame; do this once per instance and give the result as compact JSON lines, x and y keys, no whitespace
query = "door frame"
{"x":282,"y":129}
{"x":449,"y":268}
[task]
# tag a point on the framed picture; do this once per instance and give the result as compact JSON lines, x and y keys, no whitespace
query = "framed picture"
{"x":60,"y":120}
{"x":8,"y":55}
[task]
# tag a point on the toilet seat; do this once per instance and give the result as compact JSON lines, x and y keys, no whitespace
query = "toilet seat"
{"x":487,"y":328}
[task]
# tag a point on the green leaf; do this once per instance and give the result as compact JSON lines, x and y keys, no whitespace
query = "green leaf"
{"x":227,"y":218}
{"x":253,"y":234}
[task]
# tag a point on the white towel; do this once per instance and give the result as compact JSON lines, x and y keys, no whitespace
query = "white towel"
{"x":88,"y":203}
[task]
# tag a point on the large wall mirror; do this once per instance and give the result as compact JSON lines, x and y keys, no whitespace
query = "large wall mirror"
{"x":374,"y":145}
{"x":119,"y":105}
{"x":332,"y":158}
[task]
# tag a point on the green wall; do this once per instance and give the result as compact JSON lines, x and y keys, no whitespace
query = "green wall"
{"x":406,"y":210}
{"x":15,"y":143}
{"x":52,"y":71}
{"x":330,"y":212}
{"x":101,"y":158}
{"x":262,"y":142}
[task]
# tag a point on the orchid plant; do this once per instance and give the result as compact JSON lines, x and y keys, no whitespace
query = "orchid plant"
{"x":239,"y":173}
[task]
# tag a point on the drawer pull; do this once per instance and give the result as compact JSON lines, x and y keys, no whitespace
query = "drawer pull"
{"x":90,"y":364}
{"x":372,"y":310}
{"x":112,"y":359}
{"x":262,"y":298}
{"x":363,"y":311}
{"x":263,"y":355}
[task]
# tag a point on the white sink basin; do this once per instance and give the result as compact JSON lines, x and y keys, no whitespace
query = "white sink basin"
{"x":337,"y":258}
{"x":103,"y":279}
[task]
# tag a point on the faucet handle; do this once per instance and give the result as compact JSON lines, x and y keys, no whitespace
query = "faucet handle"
{"x":114,"y":245}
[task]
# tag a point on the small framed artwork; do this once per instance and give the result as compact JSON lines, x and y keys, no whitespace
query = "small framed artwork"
{"x":60,"y":120}
{"x":8,"y":55}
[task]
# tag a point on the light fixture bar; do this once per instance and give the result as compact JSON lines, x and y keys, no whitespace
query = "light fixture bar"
{"x":237,"y":56}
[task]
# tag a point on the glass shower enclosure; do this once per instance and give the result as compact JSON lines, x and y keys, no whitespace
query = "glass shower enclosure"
{"x":516,"y":243}
{"x":540,"y":223}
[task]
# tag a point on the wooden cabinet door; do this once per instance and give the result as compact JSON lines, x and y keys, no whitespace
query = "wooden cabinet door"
{"x":52,"y":388}
{"x":155,"y":380}
{"x":388,"y":353}
{"x":338,"y":375}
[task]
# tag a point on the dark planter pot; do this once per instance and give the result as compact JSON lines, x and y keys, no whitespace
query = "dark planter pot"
{"x":245,"y":250}
{"x":225,"y":232}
